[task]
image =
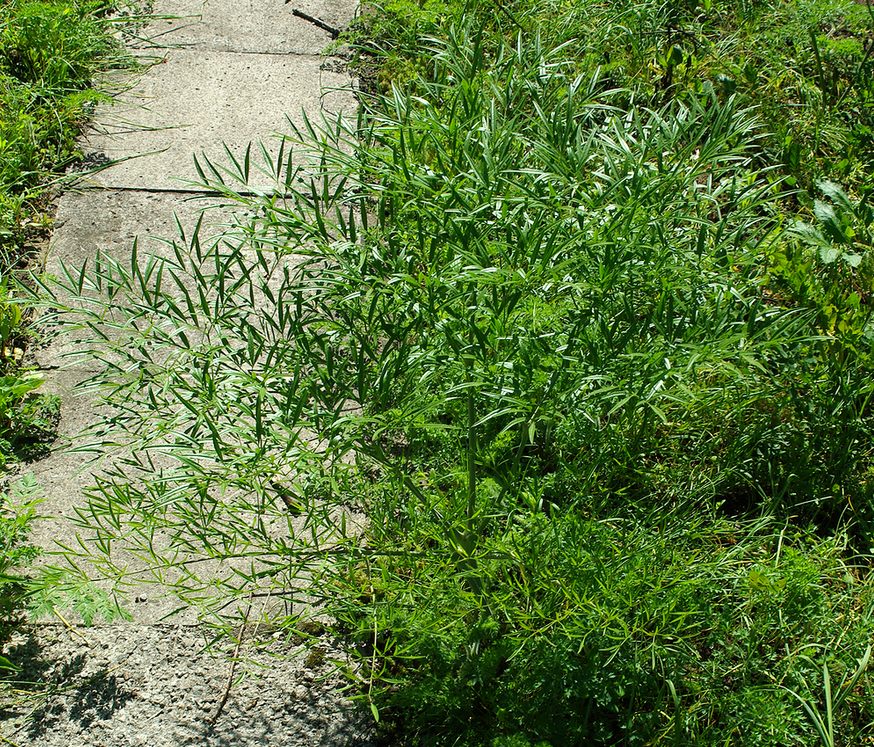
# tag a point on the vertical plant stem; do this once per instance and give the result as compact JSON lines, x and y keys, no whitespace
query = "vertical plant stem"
{"x":235,"y":657}
{"x":471,"y":417}
{"x":471,"y":459}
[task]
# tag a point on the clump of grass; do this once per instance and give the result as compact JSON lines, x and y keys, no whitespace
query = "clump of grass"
{"x":806,"y":66}
{"x":49,"y":53}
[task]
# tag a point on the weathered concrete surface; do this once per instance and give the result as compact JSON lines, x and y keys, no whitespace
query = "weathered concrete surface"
{"x":265,"y":26}
{"x":86,"y":223}
{"x":63,"y":480}
{"x":232,"y":73}
{"x":159,"y":686}
{"x":109,"y":222}
{"x":199,"y":102}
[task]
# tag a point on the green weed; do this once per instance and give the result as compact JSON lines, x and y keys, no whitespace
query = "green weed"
{"x":524,"y":407}
{"x":807,"y":66}
{"x":17,"y":510}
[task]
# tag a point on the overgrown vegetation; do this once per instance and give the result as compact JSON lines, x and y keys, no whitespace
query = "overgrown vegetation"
{"x":807,"y":66}
{"x":548,"y":378}
{"x":49,"y":53}
{"x":17,"y":509}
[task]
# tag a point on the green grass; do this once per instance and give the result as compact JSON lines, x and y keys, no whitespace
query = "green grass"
{"x":50,"y":52}
{"x":589,"y":351}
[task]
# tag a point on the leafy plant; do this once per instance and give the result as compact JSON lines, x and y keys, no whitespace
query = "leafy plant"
{"x":26,"y":419}
{"x":17,"y":511}
{"x":512,"y":397}
{"x":829,"y":266}
{"x":10,"y":317}
{"x":824,"y":723}
{"x":843,"y":230}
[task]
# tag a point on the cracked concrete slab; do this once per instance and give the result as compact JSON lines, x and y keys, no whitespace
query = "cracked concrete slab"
{"x":110,"y":221}
{"x":265,"y":26}
{"x":205,"y":103}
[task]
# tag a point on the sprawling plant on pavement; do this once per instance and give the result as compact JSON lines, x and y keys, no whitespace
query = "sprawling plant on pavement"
{"x":458,"y":378}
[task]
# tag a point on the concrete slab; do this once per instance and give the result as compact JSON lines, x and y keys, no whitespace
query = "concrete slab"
{"x":265,"y":26}
{"x":199,"y":102}
{"x":109,"y":222}
{"x":231,"y":75}
{"x":65,"y":477}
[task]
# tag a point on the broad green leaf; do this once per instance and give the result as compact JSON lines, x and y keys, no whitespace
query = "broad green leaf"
{"x":829,"y":254}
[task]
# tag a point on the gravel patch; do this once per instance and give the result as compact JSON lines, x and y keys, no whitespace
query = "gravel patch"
{"x":159,"y":686}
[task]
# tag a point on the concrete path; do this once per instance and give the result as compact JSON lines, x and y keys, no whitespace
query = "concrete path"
{"x":231,"y":72}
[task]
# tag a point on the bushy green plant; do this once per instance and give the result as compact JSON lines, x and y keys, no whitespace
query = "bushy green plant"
{"x":52,"y":45}
{"x":837,"y":262}
{"x":599,"y":632}
{"x":806,"y":66}
{"x":525,"y":332}
{"x":17,"y":510}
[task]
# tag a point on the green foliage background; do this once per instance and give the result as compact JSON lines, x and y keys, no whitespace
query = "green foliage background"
{"x":50,"y":52}
{"x":557,"y":400}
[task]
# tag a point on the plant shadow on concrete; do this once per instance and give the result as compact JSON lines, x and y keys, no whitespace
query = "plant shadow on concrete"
{"x":48,"y":692}
{"x":615,"y":485}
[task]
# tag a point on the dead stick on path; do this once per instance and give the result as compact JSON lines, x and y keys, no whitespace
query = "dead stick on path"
{"x":332,"y":30}
{"x":66,"y":622}
{"x":236,"y":655}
